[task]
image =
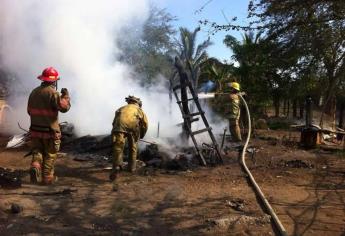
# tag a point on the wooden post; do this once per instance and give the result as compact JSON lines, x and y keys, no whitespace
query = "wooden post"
{"x":309,"y":112}
{"x":184,"y":96}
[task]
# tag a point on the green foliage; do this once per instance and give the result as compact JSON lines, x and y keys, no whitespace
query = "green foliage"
{"x":191,"y":54}
{"x":311,"y":31}
{"x":299,"y":50}
{"x":254,"y":71}
{"x":217,"y":72}
{"x":279,"y":124}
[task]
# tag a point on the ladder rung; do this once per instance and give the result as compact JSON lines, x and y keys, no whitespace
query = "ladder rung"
{"x":189,"y":99}
{"x":193,"y":120}
{"x":193,"y":114}
{"x":201,"y":131}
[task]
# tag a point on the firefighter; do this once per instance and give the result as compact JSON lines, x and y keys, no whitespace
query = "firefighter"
{"x":43,"y":106}
{"x":235,"y":112}
{"x":130,"y":123}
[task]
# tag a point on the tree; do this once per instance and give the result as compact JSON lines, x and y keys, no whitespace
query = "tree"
{"x":188,"y":60}
{"x":191,"y":54}
{"x":216,"y":71}
{"x":148,"y":50}
{"x":309,"y":34}
{"x":255,"y":71}
{"x":313,"y":27}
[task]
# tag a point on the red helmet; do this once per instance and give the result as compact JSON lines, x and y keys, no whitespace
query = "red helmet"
{"x":49,"y":75}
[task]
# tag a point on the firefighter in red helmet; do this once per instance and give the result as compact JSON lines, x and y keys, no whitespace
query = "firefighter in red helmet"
{"x":43,"y":106}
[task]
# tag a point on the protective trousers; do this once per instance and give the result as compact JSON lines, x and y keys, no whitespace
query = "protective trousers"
{"x":44,"y":154}
{"x":119,"y":139}
{"x":235,"y":130}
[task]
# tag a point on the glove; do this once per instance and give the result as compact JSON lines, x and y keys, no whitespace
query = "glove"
{"x":64,"y":92}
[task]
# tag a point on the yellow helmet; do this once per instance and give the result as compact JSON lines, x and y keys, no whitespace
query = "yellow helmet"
{"x":235,"y":86}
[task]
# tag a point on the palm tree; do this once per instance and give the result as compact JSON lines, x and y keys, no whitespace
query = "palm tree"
{"x":246,"y":53}
{"x":192,"y":55}
{"x":188,"y":61}
{"x":258,"y":68}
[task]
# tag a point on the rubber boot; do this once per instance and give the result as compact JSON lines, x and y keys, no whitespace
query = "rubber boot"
{"x":132,"y":169}
{"x":113,"y":177}
{"x":49,"y":180}
{"x":35,"y":172}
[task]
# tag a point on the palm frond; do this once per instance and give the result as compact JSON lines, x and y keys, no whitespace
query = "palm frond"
{"x":201,"y":59}
{"x":184,"y":43}
{"x":192,"y":41}
{"x":203,"y":46}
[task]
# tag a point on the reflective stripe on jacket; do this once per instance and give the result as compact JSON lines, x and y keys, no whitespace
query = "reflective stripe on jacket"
{"x":43,"y":106}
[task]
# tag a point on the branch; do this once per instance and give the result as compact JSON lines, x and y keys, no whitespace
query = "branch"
{"x":202,"y":7}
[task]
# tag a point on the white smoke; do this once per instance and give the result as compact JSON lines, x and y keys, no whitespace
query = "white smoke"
{"x":78,"y":39}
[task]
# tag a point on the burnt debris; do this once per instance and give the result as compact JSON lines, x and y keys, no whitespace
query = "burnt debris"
{"x":99,"y":149}
{"x":157,"y":157}
{"x":297,"y":164}
{"x":11,"y":178}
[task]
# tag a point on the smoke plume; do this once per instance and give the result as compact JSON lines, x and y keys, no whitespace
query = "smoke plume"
{"x":78,"y":38}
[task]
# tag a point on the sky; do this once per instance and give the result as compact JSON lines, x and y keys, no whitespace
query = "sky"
{"x":85,"y":36}
{"x":214,"y":10}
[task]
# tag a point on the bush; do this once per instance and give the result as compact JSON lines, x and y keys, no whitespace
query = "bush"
{"x":279,"y":124}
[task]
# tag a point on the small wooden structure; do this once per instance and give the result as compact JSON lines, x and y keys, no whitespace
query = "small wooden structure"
{"x":310,"y":134}
{"x":310,"y":137}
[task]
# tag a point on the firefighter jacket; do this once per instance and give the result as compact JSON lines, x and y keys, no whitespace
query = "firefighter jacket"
{"x":130,"y":119}
{"x":43,"y":107}
{"x":234,"y":107}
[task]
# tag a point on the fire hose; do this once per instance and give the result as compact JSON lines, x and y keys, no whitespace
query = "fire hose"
{"x":256,"y":187}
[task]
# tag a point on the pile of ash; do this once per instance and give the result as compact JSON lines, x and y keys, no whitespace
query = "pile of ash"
{"x":99,"y":149}
{"x":89,"y":148}
{"x":164,"y":158}
{"x":11,"y":178}
{"x":296,"y":164}
{"x":88,"y":144}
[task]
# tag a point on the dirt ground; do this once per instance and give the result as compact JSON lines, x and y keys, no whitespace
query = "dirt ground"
{"x":305,"y":188}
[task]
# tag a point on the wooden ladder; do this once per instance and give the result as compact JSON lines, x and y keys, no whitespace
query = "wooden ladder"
{"x":191,"y":117}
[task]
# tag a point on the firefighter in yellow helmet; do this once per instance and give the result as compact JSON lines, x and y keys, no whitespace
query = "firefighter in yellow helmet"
{"x":235,"y":112}
{"x":130,"y":123}
{"x":43,"y":106}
